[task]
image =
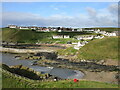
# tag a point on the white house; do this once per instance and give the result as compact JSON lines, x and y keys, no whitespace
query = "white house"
{"x":34,"y":28}
{"x":53,"y":29}
{"x":79,"y":45}
{"x":46,"y":30}
{"x":80,"y":29}
{"x":12,"y":26}
{"x":57,"y":36}
{"x":97,"y":31}
{"x":112,"y":34}
{"x":85,"y":37}
{"x":59,"y":30}
{"x":99,"y":37}
{"x":91,"y":30}
{"x":23,"y":27}
{"x":66,"y":36}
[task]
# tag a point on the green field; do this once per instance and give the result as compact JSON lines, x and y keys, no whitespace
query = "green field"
{"x":97,"y":49}
{"x":67,"y":51}
{"x":107,"y":29}
{"x":106,"y":48}
{"x":10,"y":81}
{"x":30,"y":36}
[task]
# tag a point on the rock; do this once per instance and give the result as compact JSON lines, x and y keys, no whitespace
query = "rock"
{"x":47,"y":55}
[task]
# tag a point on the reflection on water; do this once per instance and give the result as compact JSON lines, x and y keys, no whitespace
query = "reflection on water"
{"x":59,"y":72}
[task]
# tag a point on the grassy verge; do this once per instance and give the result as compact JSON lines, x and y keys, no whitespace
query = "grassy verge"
{"x":9,"y":81}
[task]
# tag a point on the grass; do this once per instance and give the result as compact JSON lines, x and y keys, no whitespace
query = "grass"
{"x":30,"y":36}
{"x":22,"y":36}
{"x":59,"y":41}
{"x":106,"y":48}
{"x":68,"y":51}
{"x":107,"y":29}
{"x":10,"y":81}
{"x":97,"y":49}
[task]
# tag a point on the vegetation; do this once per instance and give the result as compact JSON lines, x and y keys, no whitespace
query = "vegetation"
{"x":106,"y":48}
{"x":30,"y":36}
{"x":97,"y":49}
{"x":11,"y":81}
{"x":24,"y":71}
{"x":68,"y":51}
{"x":109,"y":29}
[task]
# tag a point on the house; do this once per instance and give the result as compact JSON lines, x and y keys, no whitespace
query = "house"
{"x":97,"y":31}
{"x":103,"y":32}
{"x":112,"y":34}
{"x":79,"y":45}
{"x":23,"y":27}
{"x":45,"y":30}
{"x":91,"y":30}
{"x":54,"y":29}
{"x":12,"y":26}
{"x":59,"y":30}
{"x":85,"y":37}
{"x":60,"y":36}
{"x":57,"y":36}
{"x":116,"y":32}
{"x":79,"y":30}
{"x":98,"y":37}
{"x":66,"y":36}
{"x":33,"y":28}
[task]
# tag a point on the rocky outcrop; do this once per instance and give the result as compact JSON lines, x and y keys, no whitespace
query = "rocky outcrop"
{"x":27,"y":72}
{"x":47,"y":55}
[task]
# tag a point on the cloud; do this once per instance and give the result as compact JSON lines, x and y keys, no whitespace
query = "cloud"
{"x":56,"y":8}
{"x":104,"y":17}
{"x":91,"y":11}
{"x":95,"y":18}
{"x":113,"y":9}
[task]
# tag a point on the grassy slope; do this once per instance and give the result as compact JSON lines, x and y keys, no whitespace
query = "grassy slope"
{"x":29,"y":36}
{"x":106,"y":48}
{"x":22,"y":35}
{"x":9,"y":81}
{"x":67,"y":51}
{"x":106,"y":29}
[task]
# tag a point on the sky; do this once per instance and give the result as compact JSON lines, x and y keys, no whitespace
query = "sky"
{"x":65,"y":14}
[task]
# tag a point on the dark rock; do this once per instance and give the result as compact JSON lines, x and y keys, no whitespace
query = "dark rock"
{"x":47,"y":55}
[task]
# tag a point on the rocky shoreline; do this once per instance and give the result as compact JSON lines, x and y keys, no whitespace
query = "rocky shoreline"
{"x":94,"y":70}
{"x":13,"y":50}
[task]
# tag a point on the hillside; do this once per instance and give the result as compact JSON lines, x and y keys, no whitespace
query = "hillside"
{"x":29,"y":36}
{"x":99,"y":49}
{"x":22,"y":36}
{"x":10,"y":80}
{"x":108,"y":29}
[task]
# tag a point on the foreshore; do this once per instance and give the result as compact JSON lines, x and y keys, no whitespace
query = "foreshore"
{"x":13,"y":50}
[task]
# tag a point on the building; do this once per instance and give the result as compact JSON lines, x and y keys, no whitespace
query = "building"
{"x":57,"y":36}
{"x":60,"y":36}
{"x":23,"y":27}
{"x":33,"y":28}
{"x":66,"y":36}
{"x":98,"y":37}
{"x":12,"y":26}
{"x":84,"y":37}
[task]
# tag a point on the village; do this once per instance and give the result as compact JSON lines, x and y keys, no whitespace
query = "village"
{"x":56,"y":44}
{"x":82,"y":39}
